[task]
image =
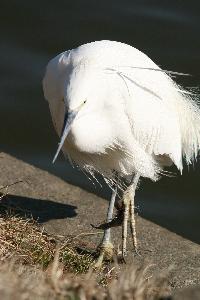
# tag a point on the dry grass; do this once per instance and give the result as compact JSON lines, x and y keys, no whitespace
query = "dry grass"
{"x":25,"y":282}
{"x":31,"y":267}
{"x":24,"y":239}
{"x":30,"y":244}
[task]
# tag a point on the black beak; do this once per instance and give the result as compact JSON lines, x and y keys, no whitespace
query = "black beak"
{"x":68,"y":120}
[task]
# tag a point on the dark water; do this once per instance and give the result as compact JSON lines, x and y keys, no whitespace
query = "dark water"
{"x":32,"y":32}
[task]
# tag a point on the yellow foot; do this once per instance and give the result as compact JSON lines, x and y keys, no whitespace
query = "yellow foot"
{"x":106,"y":253}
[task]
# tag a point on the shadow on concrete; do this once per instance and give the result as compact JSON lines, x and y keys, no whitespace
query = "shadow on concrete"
{"x":40,"y":210}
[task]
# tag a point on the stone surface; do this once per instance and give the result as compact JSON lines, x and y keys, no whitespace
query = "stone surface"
{"x":64,"y":209}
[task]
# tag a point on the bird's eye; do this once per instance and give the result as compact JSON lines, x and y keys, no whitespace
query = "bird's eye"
{"x":84,"y":101}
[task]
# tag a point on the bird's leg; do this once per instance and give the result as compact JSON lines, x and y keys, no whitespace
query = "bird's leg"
{"x":132,"y":211}
{"x":106,"y":247}
{"x":126,"y":203}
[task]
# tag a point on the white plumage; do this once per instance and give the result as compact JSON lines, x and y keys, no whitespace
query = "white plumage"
{"x":131,"y":117}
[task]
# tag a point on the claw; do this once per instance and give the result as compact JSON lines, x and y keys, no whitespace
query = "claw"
{"x":116,"y":221}
{"x":97,"y":226}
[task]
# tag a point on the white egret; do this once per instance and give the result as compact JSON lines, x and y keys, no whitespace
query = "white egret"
{"x":120,"y":115}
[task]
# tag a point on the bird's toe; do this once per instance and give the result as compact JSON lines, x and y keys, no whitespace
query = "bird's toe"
{"x":106,"y":252}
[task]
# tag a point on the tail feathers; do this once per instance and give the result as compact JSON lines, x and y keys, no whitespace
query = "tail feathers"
{"x":189,"y":118}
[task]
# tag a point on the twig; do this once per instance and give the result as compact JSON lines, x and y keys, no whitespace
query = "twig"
{"x":9,"y":185}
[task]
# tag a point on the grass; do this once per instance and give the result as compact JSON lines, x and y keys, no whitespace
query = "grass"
{"x":35,"y":265}
{"x":26,"y":240}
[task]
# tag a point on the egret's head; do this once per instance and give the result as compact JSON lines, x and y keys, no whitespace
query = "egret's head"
{"x":73,"y":90}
